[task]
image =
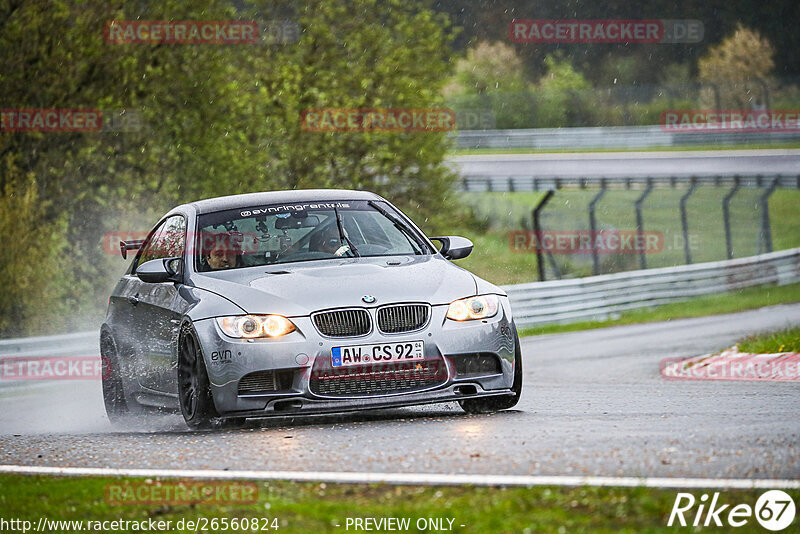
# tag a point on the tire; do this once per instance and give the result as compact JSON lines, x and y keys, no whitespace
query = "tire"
{"x":119,"y":408}
{"x":194,"y":387}
{"x":495,"y":404}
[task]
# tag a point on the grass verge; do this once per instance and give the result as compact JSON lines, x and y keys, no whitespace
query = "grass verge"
{"x":745,"y":299}
{"x":785,"y":340}
{"x":316,"y":507}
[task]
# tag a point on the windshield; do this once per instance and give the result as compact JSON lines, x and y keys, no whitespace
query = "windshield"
{"x":289,"y":233}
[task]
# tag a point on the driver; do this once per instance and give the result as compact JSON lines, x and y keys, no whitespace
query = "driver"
{"x":221,"y":251}
{"x":328,"y":241}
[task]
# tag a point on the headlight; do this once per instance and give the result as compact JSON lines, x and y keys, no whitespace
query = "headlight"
{"x":252,"y":326}
{"x":472,"y":308}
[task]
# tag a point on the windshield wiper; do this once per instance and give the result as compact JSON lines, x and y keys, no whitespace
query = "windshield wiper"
{"x":400,"y":226}
{"x":342,"y":235}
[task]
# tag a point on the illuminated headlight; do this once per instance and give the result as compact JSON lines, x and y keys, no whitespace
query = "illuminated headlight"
{"x":252,"y":326}
{"x":469,"y":309}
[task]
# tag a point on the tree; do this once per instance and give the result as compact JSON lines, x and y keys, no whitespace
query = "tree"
{"x":393,"y":54}
{"x":487,"y":67}
{"x":29,"y":258}
{"x":216,"y":119}
{"x":737,"y":66}
{"x":491,"y":79}
{"x":559,"y":94}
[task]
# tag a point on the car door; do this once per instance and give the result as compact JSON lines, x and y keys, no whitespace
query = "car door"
{"x":157,"y":310}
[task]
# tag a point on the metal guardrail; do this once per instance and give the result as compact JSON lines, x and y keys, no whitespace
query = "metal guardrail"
{"x":600,"y":297}
{"x":33,"y":348}
{"x":62,"y":345}
{"x":631,"y":137}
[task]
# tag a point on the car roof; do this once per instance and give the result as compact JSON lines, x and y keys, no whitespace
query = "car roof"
{"x":210,"y":205}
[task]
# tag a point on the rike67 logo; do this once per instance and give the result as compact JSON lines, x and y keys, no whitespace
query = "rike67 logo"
{"x":774,"y":510}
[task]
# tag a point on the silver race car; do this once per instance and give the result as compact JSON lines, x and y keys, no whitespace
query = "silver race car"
{"x":302,"y":302}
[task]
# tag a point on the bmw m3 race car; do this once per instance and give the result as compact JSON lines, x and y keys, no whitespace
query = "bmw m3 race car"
{"x":302,"y":302}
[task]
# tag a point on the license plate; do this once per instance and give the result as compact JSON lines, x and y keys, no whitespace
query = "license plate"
{"x":378,"y":353}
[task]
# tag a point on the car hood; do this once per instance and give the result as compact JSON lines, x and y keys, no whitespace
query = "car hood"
{"x":300,"y":289}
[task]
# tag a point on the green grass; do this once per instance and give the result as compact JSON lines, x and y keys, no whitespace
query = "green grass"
{"x":785,"y":340}
{"x":746,"y":299}
{"x":785,"y":218}
{"x":759,"y":146}
{"x":315,"y":507}
{"x":494,"y":259}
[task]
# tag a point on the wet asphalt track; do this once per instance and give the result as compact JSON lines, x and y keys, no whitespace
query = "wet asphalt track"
{"x":593,"y":404}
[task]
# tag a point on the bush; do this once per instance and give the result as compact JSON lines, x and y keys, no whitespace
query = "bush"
{"x":559,"y":96}
{"x":736,"y":65}
{"x":30,"y":258}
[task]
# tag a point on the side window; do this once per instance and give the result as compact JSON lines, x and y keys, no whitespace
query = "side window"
{"x":167,"y":242}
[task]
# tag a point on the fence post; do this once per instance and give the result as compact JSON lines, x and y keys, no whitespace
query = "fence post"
{"x":766,"y":232}
{"x":593,"y":225}
{"x":685,"y":222}
{"x":726,"y":219}
{"x":639,"y":222}
{"x":537,"y":232}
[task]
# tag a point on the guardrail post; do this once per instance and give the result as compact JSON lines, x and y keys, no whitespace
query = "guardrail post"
{"x":766,"y":232}
{"x":639,"y":222}
{"x":593,"y":225}
{"x":726,"y":219}
{"x":537,"y":228}
{"x":685,"y":222}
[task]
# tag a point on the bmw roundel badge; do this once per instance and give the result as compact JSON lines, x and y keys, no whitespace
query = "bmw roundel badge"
{"x":369,"y":299}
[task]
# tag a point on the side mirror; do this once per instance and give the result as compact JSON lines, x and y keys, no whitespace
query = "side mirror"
{"x":161,"y":270}
{"x":454,"y":247}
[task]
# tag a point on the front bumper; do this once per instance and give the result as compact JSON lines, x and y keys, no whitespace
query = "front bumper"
{"x":303,"y":354}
